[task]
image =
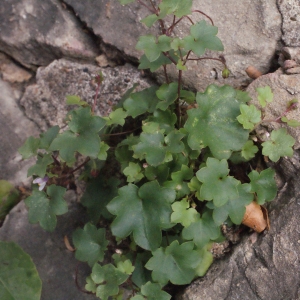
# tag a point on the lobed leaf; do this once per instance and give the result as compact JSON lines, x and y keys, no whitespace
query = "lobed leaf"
{"x":264,"y":95}
{"x":249,"y":116}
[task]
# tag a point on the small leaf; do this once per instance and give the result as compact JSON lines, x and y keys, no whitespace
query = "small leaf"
{"x":217,"y":185}
{"x":48,"y":137}
{"x":179,"y":263}
{"x":177,"y":7}
{"x":30,"y":147}
{"x":150,"y":20}
{"x":44,"y":208}
{"x":235,"y":208}
{"x":154,"y":65}
{"x":153,"y":291}
{"x":40,"y":167}
{"x":9,"y":197}
{"x":280,"y":145}
{"x":264,"y":185}
{"x":206,"y":261}
{"x":133,"y":172}
{"x":109,"y":278}
{"x":180,"y":65}
{"x":203,"y":36}
{"x":142,"y":211}
{"x":264,"y":95}
{"x":242,"y":96}
{"x":249,"y":116}
{"x":249,"y":150}
{"x":182,"y":213}
{"x":90,"y":244}
{"x":202,"y":231}
{"x":75,"y":100}
{"x":125,"y":266}
{"x":103,"y":151}
{"x":19,"y":279}
{"x":168,"y":93}
{"x":292,"y":123}
{"x":116,"y":117}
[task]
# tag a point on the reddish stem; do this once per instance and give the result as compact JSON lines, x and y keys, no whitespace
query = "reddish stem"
{"x":204,"y":14}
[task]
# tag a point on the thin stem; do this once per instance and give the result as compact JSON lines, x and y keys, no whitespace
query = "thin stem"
{"x":56,"y":161}
{"x":81,"y":165}
{"x":77,"y":283}
{"x":204,"y":14}
{"x":178,"y":109}
{"x":211,"y":58}
{"x":166,"y":74}
{"x":170,"y":58}
{"x":153,"y":10}
{"x":120,"y":133}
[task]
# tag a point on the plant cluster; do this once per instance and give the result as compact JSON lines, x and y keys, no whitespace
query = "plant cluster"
{"x":187,"y":164}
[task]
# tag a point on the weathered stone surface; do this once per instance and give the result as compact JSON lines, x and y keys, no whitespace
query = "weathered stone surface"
{"x":249,"y":30}
{"x":36,"y":32}
{"x":285,"y":88}
{"x":44,"y":102}
{"x":15,"y":128}
{"x":290,"y":11}
{"x":265,"y":266}
{"x":56,"y":265}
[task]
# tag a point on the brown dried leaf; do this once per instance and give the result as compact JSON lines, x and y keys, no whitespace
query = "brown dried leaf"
{"x":254,"y":217}
{"x":68,"y":245}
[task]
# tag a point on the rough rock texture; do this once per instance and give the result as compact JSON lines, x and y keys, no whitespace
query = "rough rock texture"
{"x":250,"y":31}
{"x":45,"y":101}
{"x":56,"y":265}
{"x":290,"y":11}
{"x":265,"y":266}
{"x":15,"y":128}
{"x":36,"y":32}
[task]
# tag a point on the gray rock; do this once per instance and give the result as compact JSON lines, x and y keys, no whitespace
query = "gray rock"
{"x":44,"y":102}
{"x":250,"y":32}
{"x":290,"y":11}
{"x":35,"y":33}
{"x":264,"y":266}
{"x":55,"y":264}
{"x":15,"y":128}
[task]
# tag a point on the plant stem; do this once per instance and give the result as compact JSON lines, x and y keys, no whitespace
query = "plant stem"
{"x":204,"y":14}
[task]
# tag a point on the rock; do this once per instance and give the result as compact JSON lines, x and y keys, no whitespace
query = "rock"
{"x":15,"y":128}
{"x":11,"y":72}
{"x":264,"y":266}
{"x":35,"y":33}
{"x":290,"y":11}
{"x":44,"y":102}
{"x":55,"y":264}
{"x":285,"y":88}
{"x":250,"y":32}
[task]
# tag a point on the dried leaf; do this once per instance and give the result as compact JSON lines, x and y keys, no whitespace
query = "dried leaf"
{"x":68,"y":245}
{"x":254,"y":217}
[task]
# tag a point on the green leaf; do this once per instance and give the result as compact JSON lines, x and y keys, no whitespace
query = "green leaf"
{"x":292,"y":123}
{"x":82,"y":137}
{"x":125,"y":266}
{"x":249,"y":150}
{"x":242,"y":96}
{"x":40,"y":167}
{"x":175,"y":263}
{"x":141,"y":275}
{"x":90,"y":244}
{"x":153,"y":291}
{"x":102,"y":155}
{"x":29,"y":148}
{"x":153,"y":48}
{"x":182,"y":213}
{"x":214,"y":122}
{"x":75,"y":100}
{"x":47,"y":137}
{"x":173,"y":142}
{"x":195,"y":186}
{"x":9,"y":197}
{"x":44,"y":208}
{"x":142,"y":211}
{"x":181,"y":66}
{"x":166,"y":119}
{"x":168,"y":93}
{"x":19,"y":279}
{"x":116,"y":117}
{"x":264,"y":185}
{"x":177,"y":7}
{"x":249,"y":116}
{"x":280,"y":145}
{"x":264,"y":95}
{"x":98,"y":193}
{"x":109,"y":278}
{"x":141,"y":102}
{"x":150,"y":20}
{"x":202,"y":231}
{"x":203,"y":36}
{"x":133,"y":172}
{"x":235,"y":208}
{"x":217,"y":185}
{"x":154,"y":65}
{"x":205,"y":262}
{"x":151,"y":148}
